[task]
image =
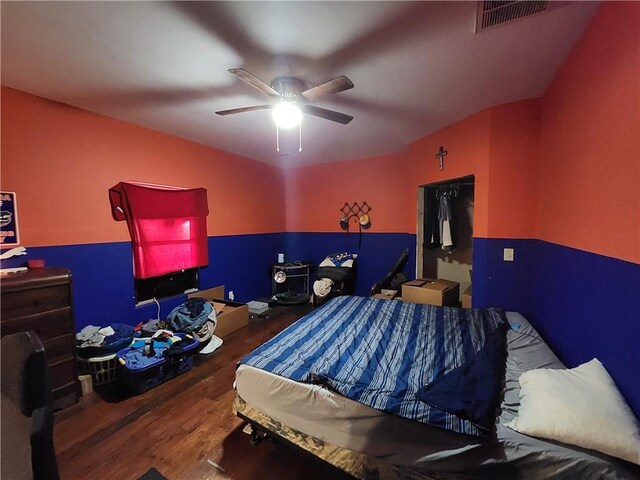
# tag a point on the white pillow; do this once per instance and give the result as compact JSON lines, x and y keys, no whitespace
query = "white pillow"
{"x":581,"y":406}
{"x":327,"y":263}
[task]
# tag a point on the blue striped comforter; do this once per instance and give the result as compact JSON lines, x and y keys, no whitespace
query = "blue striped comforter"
{"x":381,"y":352}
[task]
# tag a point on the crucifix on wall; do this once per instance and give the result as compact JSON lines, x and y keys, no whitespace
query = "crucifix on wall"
{"x":440,"y":156}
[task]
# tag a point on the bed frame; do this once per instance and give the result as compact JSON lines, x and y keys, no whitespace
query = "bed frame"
{"x":358,"y":465}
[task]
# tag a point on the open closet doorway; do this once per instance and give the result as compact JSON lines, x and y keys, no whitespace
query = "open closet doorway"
{"x":445,"y":230}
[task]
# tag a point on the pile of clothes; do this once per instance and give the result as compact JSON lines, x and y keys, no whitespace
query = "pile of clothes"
{"x":144,"y":352}
{"x":164,"y":348}
{"x":93,"y":341}
{"x":195,"y":317}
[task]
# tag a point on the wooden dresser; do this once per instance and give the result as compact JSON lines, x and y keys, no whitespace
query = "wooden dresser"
{"x":40,"y":300}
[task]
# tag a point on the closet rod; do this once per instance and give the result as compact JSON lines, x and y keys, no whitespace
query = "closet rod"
{"x":451,"y":185}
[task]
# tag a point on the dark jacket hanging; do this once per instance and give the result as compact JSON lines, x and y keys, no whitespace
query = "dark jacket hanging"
{"x":439,"y":208}
{"x":431,"y":224}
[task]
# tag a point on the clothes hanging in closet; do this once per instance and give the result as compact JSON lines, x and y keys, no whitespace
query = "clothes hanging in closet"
{"x":445,"y":221}
{"x":431,"y":229}
{"x":440,"y":221}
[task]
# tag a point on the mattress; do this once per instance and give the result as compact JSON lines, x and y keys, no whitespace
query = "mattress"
{"x":332,"y":418}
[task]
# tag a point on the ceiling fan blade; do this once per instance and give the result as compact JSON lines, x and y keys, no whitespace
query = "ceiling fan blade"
{"x":332,"y":86}
{"x":327,"y":114}
{"x":243,"y":109}
{"x":254,"y":81}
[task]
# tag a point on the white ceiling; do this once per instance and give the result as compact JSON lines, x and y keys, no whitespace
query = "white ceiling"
{"x":416,"y":66}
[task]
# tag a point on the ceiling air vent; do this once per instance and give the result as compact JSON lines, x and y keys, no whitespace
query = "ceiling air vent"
{"x":491,"y":14}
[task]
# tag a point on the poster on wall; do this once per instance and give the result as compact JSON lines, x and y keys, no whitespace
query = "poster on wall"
{"x":8,"y":220}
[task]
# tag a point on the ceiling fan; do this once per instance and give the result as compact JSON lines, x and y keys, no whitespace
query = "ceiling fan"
{"x":294,"y":98}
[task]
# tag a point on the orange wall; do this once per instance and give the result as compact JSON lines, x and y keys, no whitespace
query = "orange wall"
{"x":564,"y":168}
{"x":61,"y":161}
{"x":498,"y":145}
{"x":468,"y":147}
{"x":589,"y":174}
{"x":316,"y":193}
{"x":513,"y":166}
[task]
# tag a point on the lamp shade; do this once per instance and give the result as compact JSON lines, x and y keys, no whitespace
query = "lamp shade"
{"x":280,"y":277}
{"x":287,"y":115}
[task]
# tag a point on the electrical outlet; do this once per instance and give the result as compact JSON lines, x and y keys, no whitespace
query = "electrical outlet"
{"x":231,"y":295}
{"x":508,"y":254}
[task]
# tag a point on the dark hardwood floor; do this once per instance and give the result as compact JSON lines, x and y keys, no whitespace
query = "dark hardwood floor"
{"x":178,"y":426}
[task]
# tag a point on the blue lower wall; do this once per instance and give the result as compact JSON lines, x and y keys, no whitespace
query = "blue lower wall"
{"x":103,"y":290}
{"x":588,"y":305}
{"x":585,"y":305}
{"x":497,"y":283}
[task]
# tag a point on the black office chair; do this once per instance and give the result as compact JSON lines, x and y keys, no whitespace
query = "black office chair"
{"x":27,"y":410}
{"x":396,"y":276}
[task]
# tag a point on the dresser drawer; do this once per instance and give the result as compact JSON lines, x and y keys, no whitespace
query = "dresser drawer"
{"x":29,"y":302}
{"x":65,"y":395}
{"x":47,"y":325}
{"x":62,"y":371}
{"x":55,"y":348}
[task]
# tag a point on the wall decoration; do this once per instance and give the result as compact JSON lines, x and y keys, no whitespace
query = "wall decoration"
{"x":359,"y":211}
{"x":440,"y":156}
{"x":9,"y":235}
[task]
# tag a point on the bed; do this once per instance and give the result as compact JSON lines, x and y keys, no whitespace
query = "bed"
{"x":369,"y":443}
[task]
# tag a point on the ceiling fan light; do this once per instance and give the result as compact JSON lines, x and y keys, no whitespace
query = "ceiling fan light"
{"x":287,"y":115}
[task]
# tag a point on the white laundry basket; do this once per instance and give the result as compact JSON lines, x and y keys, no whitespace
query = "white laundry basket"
{"x":103,"y":370}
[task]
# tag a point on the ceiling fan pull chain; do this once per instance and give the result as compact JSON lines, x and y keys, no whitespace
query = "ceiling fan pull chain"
{"x":300,"y":137}
{"x":277,"y":138}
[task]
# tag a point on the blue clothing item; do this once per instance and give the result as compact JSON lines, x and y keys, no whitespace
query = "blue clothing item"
{"x":121,"y":333}
{"x":472,"y":390}
{"x":137,"y":356}
{"x":190,"y":315}
{"x":98,"y":344}
{"x":136,"y":359}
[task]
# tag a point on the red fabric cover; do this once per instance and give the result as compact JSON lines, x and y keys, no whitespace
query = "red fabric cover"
{"x":168,"y":226}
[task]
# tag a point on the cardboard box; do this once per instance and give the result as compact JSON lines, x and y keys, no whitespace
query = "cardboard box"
{"x":215,"y":293}
{"x":86,"y":384}
{"x":431,"y":291}
{"x":231,"y":316}
{"x":466,"y":298}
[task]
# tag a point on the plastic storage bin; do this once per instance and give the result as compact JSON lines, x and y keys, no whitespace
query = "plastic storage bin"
{"x":103,"y":369}
{"x":163,"y":369}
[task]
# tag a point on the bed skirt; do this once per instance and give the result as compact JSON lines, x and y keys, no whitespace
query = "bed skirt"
{"x":360,"y":466}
